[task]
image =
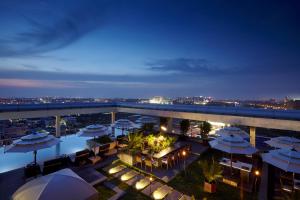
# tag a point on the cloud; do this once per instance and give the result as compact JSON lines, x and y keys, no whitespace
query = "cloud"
{"x":28,"y":83}
{"x":67,"y":76}
{"x":63,"y":84}
{"x":58,"y":31}
{"x":184,"y":65}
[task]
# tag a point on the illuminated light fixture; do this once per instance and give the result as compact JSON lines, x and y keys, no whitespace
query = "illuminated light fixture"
{"x":184,"y":153}
{"x":128,"y":175}
{"x":163,"y":128}
{"x":161,"y":192}
{"x":257,"y":173}
{"x":142,"y":183}
{"x":157,"y":195}
{"x":116,"y":169}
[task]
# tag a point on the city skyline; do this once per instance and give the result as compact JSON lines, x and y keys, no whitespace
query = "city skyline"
{"x":235,"y":50}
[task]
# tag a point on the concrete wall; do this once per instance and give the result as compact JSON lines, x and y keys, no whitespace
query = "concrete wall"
{"x":230,"y":119}
{"x":52,"y":113}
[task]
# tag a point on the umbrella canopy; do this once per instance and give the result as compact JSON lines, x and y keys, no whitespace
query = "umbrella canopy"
{"x":61,"y":185}
{"x":146,"y":120}
{"x":233,"y":131}
{"x":284,"y":142}
{"x":232,"y":144}
{"x":93,"y":131}
{"x":124,"y":124}
{"x":33,"y":142}
{"x":285,"y":159}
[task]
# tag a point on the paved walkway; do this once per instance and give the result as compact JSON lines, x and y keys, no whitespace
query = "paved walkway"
{"x":172,"y":194}
{"x":151,"y":188}
{"x":117,"y":190}
{"x":91,"y":176}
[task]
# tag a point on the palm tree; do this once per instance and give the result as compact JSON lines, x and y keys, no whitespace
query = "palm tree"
{"x":205,"y":128}
{"x":135,"y":140}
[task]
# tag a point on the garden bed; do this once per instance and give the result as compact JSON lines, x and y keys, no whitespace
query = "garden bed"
{"x":192,"y":183}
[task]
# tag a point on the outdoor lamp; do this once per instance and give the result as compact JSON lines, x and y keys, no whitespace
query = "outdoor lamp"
{"x":163,"y":128}
{"x":183,"y":153}
{"x":256,"y":173}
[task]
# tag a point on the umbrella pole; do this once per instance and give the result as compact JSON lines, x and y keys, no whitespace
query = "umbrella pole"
{"x":293,"y":182}
{"x":34,"y":152}
{"x":231,"y":163}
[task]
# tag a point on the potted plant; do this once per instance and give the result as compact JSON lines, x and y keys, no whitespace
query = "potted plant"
{"x":134,"y":142}
{"x":212,"y":171}
{"x":205,"y":128}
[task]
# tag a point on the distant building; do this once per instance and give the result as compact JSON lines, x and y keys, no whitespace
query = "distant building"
{"x":293,"y":104}
{"x":200,"y":100}
{"x":14,"y":131}
{"x":160,"y":100}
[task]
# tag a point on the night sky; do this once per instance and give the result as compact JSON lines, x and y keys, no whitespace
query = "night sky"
{"x":225,"y":49}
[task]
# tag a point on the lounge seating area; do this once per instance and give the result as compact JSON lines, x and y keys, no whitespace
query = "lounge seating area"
{"x":82,"y":157}
{"x":54,"y":165}
{"x":165,"y":159}
{"x":79,"y":159}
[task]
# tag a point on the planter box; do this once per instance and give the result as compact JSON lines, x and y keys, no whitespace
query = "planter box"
{"x":210,"y":187}
{"x":127,"y":158}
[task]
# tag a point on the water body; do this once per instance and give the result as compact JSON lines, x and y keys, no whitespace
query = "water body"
{"x":69,"y":145}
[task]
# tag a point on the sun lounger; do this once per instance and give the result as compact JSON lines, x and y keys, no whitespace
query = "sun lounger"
{"x":55,"y":164}
{"x":104,"y":149}
{"x":161,"y":192}
{"x":81,"y":157}
{"x":129,"y":175}
{"x":52,"y":166}
{"x":112,"y":149}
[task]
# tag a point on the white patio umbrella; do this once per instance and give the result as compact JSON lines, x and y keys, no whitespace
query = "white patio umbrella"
{"x":95,"y":130}
{"x":33,"y":142}
{"x":226,"y":131}
{"x":232,"y":144}
{"x":61,"y":185}
{"x":284,"y":142}
{"x":146,"y":120}
{"x":285,"y":159}
{"x":124,"y":124}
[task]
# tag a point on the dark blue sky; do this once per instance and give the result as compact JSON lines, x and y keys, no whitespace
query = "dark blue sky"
{"x":92,"y":48}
